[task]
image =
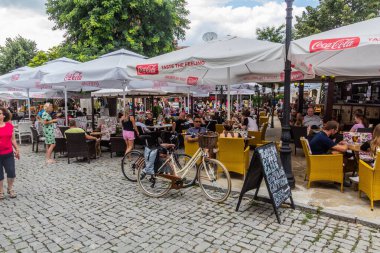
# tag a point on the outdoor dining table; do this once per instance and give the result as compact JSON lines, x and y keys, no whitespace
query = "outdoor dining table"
{"x":159,"y":127}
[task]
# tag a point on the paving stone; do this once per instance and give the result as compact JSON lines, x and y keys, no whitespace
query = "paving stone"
{"x":82,"y":207}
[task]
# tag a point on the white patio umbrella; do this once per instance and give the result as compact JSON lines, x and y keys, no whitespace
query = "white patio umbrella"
{"x":120,"y":92}
{"x":348,"y":51}
{"x":107,"y":71}
{"x":223,"y":61}
{"x":30,"y":79}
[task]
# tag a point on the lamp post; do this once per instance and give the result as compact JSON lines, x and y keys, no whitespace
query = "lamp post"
{"x":257,"y":91}
{"x":285,"y":151}
{"x":273,"y":104}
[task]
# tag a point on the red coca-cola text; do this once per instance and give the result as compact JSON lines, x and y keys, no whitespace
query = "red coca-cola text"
{"x":73,"y":76}
{"x":147,"y":69}
{"x":333,"y":44}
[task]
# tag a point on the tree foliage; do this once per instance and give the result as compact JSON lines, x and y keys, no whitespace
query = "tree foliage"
{"x":16,"y":53}
{"x":53,"y":53}
{"x":330,"y":14}
{"x":94,"y":27}
{"x":271,"y":33}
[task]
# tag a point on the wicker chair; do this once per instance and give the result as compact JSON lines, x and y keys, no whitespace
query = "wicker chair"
{"x":369,"y":180}
{"x":323,"y":167}
{"x":60,"y":146}
{"x":117,"y":145}
{"x":298,"y":132}
{"x":36,"y":138}
{"x":77,"y":146}
{"x":233,"y":154}
{"x":63,"y":129}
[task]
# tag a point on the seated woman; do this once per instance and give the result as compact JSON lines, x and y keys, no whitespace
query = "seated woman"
{"x":228,"y":133}
{"x":360,"y":122}
{"x":373,"y":145}
{"x":299,"y":120}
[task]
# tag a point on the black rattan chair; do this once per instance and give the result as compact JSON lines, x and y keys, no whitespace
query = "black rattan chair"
{"x":36,"y":138}
{"x":117,"y":145}
{"x":60,"y":146}
{"x":298,"y":132}
{"x":77,"y":146}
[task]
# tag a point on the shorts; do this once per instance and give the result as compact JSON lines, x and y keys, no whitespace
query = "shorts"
{"x":7,"y":163}
{"x":128,"y":135}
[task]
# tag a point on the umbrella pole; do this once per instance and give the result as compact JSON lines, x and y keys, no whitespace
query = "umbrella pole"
{"x":29,"y":110}
{"x":124,"y":93}
{"x":188,"y":101}
{"x":66,"y":109}
{"x":229,"y":94}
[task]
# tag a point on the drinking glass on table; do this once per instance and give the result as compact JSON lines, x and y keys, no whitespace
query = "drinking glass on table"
{"x":355,"y":138}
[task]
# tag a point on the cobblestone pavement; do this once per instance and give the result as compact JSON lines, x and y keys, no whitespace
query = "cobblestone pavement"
{"x":91,"y":208}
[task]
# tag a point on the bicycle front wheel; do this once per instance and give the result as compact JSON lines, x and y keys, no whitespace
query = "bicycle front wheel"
{"x":214,"y":180}
{"x":156,"y":185}
{"x":131,"y":163}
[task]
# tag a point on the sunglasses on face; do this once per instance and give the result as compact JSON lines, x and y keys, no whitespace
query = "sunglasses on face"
{"x":197,"y":121}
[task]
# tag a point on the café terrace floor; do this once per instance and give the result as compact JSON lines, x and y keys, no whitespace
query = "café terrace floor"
{"x":322,"y":196}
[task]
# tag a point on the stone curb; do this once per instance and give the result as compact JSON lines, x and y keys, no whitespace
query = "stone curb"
{"x":327,"y":213}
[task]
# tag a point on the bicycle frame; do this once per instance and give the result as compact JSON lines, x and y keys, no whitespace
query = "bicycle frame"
{"x":192,"y":162}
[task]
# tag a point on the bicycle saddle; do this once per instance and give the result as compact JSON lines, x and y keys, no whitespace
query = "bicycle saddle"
{"x":167,"y":145}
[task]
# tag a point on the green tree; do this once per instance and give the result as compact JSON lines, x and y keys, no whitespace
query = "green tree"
{"x":271,"y":33}
{"x":330,"y":14}
{"x":53,"y":53}
{"x":16,"y":53}
{"x":94,"y":27}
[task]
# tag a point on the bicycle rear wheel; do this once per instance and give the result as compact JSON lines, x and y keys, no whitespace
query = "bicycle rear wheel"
{"x":131,"y":163}
{"x":156,"y":185}
{"x":191,"y":174}
{"x":214,"y":180}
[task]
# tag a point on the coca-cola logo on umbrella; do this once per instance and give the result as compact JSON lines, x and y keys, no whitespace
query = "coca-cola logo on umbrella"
{"x":147,"y":69}
{"x":73,"y":76}
{"x":15,"y":77}
{"x":333,"y":44}
{"x":192,"y":80}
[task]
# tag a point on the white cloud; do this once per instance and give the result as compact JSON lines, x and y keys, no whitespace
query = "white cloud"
{"x":28,"y":24}
{"x":217,"y":16}
{"x":205,"y":15}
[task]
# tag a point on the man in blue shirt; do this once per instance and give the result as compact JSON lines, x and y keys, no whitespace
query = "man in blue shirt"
{"x":322,"y":144}
{"x":192,"y":133}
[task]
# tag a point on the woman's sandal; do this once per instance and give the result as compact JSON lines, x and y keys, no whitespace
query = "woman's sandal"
{"x":12,"y":194}
{"x":1,"y":195}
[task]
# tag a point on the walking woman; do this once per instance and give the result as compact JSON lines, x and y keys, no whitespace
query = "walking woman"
{"x":7,"y":160}
{"x":48,"y":130}
{"x":129,"y":130}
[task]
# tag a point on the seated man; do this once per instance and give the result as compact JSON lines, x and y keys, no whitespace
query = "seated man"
{"x":321,"y":142}
{"x":192,"y":133}
{"x":149,"y":119}
{"x":74,"y":129}
{"x":310,"y":119}
{"x":140,"y":123}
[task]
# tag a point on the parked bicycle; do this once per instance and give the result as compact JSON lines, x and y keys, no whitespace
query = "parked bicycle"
{"x":180,"y":171}
{"x":134,"y":159}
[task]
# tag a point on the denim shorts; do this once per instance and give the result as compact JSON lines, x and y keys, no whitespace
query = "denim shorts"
{"x":7,"y":162}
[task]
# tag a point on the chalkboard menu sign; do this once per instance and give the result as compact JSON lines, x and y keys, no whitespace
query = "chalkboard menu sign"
{"x":266,"y":164}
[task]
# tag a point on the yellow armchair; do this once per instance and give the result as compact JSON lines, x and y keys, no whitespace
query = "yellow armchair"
{"x":259,"y":136}
{"x":219,"y":128}
{"x":190,"y":147}
{"x":369,"y":180}
{"x":263,"y":120}
{"x":233,"y":155}
{"x":323,"y":167}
